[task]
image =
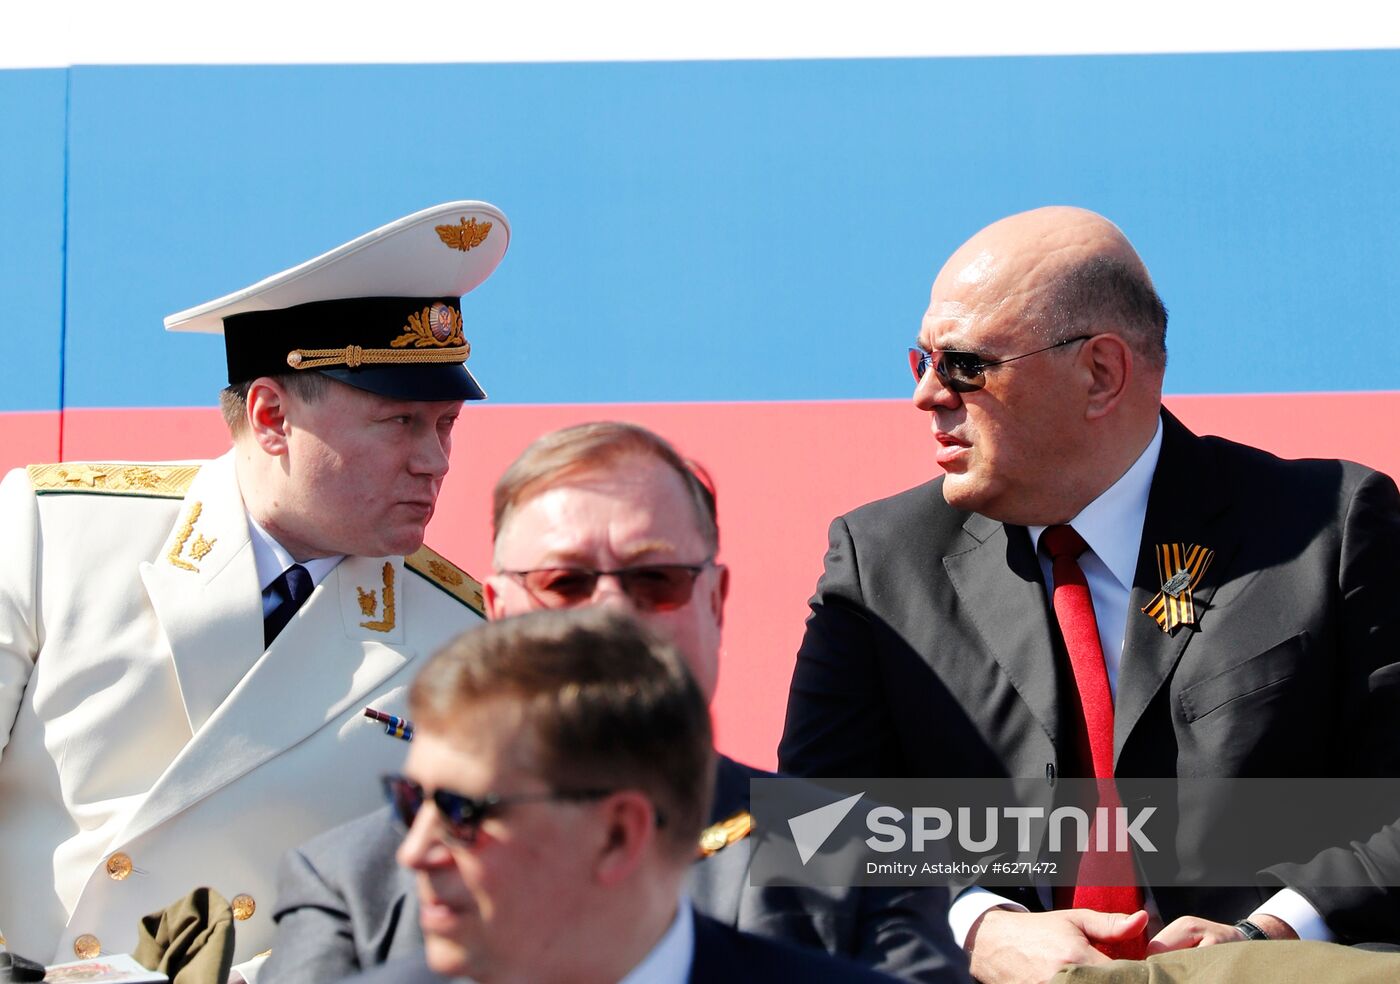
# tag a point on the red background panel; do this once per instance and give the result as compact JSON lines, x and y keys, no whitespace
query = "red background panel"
{"x":783,"y":470}
{"x":28,"y":436}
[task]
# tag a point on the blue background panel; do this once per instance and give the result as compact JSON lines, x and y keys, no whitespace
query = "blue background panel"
{"x":745,"y":230}
{"x":32,"y":123}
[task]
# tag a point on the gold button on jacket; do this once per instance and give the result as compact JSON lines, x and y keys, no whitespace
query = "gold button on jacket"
{"x":243,"y":907}
{"x":119,"y":866}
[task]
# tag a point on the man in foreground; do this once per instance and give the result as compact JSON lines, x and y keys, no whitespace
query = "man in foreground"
{"x":557,"y":781}
{"x":186,"y":650}
{"x":1091,"y":590}
{"x":609,"y":514}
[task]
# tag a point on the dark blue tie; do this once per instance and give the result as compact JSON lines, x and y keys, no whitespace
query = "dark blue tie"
{"x":291,"y":589}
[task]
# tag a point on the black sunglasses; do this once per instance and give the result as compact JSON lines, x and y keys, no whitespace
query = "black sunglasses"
{"x":964,"y":372}
{"x":652,"y":587}
{"x":462,"y":815}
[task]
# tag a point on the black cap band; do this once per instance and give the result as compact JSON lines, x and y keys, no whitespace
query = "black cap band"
{"x":382,"y":334}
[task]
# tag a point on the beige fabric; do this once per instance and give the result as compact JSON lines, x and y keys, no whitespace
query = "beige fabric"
{"x":1280,"y":962}
{"x":148,"y":721}
{"x":190,"y":941}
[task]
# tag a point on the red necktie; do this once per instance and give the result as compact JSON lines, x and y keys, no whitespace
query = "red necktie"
{"x":1074,"y":609}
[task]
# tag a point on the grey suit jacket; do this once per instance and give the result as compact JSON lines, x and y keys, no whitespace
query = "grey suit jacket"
{"x":343,"y":905}
{"x":932,"y":650}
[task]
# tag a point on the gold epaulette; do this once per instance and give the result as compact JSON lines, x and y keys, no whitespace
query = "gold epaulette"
{"x":94,"y":478}
{"x":718,"y":836}
{"x":448,"y":576}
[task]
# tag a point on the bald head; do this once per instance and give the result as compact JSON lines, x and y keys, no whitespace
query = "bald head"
{"x":1062,"y":271}
{"x":1052,"y":384}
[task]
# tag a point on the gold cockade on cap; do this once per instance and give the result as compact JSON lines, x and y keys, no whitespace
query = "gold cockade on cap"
{"x":439,"y":326}
{"x":466,"y":235}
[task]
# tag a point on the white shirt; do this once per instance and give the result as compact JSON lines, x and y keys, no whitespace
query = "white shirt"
{"x":1112,"y":527}
{"x":272,"y":559}
{"x":669,"y":961}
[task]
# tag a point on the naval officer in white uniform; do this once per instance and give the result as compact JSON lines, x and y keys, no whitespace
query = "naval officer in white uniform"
{"x":186,"y":651}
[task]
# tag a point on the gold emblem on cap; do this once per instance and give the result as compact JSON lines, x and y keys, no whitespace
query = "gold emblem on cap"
{"x":243,"y":906}
{"x":119,"y":866}
{"x":87,"y":946}
{"x":468,"y":234}
{"x":439,"y":326}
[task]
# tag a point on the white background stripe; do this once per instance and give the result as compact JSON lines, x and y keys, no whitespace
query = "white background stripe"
{"x":34,"y":33}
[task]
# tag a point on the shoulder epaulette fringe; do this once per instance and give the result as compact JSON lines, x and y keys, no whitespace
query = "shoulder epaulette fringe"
{"x":432,"y":565}
{"x":718,"y":836}
{"x":94,"y":478}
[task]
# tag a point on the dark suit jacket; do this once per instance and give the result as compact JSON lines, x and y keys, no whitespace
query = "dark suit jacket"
{"x":899,"y":932}
{"x":723,"y":955}
{"x":931,"y":649}
{"x":343,"y":905}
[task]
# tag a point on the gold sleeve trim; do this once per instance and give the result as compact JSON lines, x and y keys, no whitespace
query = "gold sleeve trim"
{"x":432,"y":565}
{"x":92,"y":478}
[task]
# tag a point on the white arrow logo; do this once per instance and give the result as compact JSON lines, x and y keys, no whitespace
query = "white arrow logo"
{"x":810,"y":830}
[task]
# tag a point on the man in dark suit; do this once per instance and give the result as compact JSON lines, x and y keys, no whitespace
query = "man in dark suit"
{"x":559,"y":775}
{"x":614,"y":498}
{"x":722,"y":955}
{"x":1092,"y":590}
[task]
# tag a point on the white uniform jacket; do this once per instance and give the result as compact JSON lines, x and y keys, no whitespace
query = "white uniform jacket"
{"x":148,"y":743}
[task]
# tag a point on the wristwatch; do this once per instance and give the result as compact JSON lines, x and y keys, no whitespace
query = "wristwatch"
{"x":1250,"y":930}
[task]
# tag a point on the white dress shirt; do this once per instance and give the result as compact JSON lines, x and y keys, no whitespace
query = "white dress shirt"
{"x":272,"y":559}
{"x":1112,"y":527}
{"x":669,"y":961}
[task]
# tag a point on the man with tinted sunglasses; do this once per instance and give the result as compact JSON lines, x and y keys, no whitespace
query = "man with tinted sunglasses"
{"x":553,"y":794}
{"x":1091,"y":590}
{"x":608,"y":514}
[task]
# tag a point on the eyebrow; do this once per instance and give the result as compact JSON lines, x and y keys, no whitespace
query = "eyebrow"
{"x":583,"y":559}
{"x":649,"y":547}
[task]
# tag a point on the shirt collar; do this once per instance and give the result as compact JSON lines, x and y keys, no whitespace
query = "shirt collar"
{"x":271,"y":558}
{"x":669,"y":961}
{"x":1112,"y":524}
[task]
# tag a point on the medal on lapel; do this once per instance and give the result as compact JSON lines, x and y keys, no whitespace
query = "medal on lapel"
{"x":1181,"y":567}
